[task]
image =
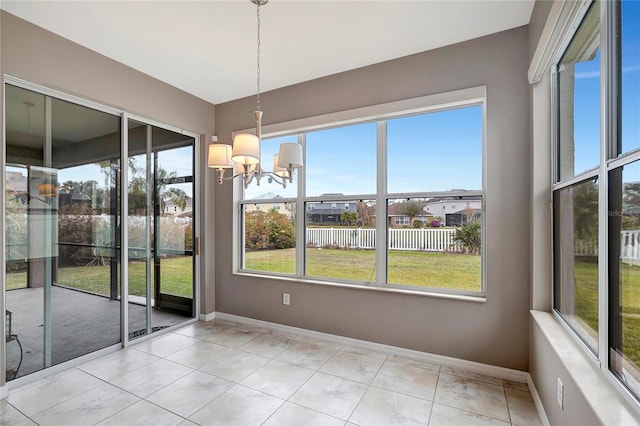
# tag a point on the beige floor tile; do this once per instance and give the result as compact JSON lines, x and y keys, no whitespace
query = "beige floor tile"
{"x":330,"y":395}
{"x":522,"y":386}
{"x":322,"y":342}
{"x":414,"y":381}
{"x":190,"y":393}
{"x":442,"y":415}
{"x":383,"y":407}
{"x":278,"y":379}
{"x":414,"y":363}
{"x":353,"y":367}
{"x":365,"y":352}
{"x":165,"y":345}
{"x":10,"y":416}
{"x":286,"y":335}
{"x":268,"y":345}
{"x":147,"y":380}
{"x":143,"y":413}
{"x":308,"y":355}
{"x":118,"y":364}
{"x":239,"y":406}
{"x":470,"y":395}
{"x":233,"y":337}
{"x":88,"y":408}
{"x":521,"y":408}
{"x":203,"y":329}
{"x":471,"y":375}
{"x":295,"y":415}
{"x":235,"y":365}
{"x":53,"y":390}
{"x":199,"y":355}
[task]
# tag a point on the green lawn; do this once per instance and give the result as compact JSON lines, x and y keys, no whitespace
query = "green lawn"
{"x":424,"y":269}
{"x":176,"y":277}
{"x":586,"y":304}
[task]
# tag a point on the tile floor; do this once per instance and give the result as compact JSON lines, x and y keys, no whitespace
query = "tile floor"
{"x":222,"y":373}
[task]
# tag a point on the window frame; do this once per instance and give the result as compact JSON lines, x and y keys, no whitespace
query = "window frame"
{"x":379,"y":114}
{"x":609,"y":160}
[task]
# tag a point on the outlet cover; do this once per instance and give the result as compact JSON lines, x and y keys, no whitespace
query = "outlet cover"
{"x":560,"y":393}
{"x":286,"y":299}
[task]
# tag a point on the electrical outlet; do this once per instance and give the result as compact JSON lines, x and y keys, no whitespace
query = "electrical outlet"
{"x":560,"y":393}
{"x":286,"y":299}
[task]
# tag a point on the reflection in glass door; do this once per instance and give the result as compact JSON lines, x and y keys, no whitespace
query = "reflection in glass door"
{"x":61,"y":222}
{"x":64,"y":225}
{"x":160,"y":197}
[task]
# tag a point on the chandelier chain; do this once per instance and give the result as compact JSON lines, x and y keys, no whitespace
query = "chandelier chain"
{"x":258,"y":60}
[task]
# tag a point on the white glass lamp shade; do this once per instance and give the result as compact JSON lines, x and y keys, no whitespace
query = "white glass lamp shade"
{"x":290,"y":155}
{"x":280,"y":171}
{"x":219,"y":156}
{"x":246,"y":149}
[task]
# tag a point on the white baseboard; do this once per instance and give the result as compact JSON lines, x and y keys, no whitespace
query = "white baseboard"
{"x":476,"y":367}
{"x":3,"y":392}
{"x":537,"y":401}
{"x":207,"y":317}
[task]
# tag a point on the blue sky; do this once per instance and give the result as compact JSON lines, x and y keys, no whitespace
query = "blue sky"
{"x":430,"y":152}
{"x":587,"y":95}
{"x":178,"y":160}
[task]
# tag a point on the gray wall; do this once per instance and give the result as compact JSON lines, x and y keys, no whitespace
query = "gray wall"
{"x":31,"y":53}
{"x":495,"y":332}
{"x":545,"y":364}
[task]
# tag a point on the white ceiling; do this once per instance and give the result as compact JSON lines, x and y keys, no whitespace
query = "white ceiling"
{"x":208,"y":48}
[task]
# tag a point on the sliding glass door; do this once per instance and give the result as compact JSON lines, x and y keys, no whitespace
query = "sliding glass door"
{"x":61,"y":226}
{"x":160,"y":198}
{"x":64,"y":224}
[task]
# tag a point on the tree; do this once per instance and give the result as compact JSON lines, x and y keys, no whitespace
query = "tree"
{"x":469,"y":236}
{"x":349,"y":217}
{"x":412,"y":209}
{"x":585,"y":211}
{"x":270,"y":230}
{"x":139,"y":186}
{"x":366,"y":214}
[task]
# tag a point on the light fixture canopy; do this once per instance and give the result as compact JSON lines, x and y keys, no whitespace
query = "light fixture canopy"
{"x":246,"y":146}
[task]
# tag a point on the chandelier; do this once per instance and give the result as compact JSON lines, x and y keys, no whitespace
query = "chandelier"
{"x":246,"y":146}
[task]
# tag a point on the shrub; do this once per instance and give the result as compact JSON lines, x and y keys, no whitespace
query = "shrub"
{"x":469,"y":236}
{"x":435,"y":224}
{"x":270,"y":230}
{"x":417,"y":223}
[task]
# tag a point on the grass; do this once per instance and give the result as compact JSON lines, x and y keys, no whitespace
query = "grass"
{"x":586,"y":304}
{"x":423,"y":269}
{"x":177,"y":278}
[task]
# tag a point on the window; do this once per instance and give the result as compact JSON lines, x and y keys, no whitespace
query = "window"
{"x":590,"y":234}
{"x":624,"y":208}
{"x":373,"y":195}
{"x":578,"y":80}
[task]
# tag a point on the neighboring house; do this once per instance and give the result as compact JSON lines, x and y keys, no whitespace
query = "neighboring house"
{"x":329,"y":212}
{"x":397,"y":218}
{"x":16,"y":186}
{"x":455,"y":212}
{"x":171,"y":208}
{"x":265,"y":207}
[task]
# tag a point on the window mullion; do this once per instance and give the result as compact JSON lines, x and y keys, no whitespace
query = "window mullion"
{"x":301,"y":213}
{"x":381,"y":203}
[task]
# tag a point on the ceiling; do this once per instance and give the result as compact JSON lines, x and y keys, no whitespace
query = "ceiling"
{"x":208,"y":48}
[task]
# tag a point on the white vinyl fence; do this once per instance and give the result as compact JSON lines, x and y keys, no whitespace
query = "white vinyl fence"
{"x":629,"y":247}
{"x":397,"y":239}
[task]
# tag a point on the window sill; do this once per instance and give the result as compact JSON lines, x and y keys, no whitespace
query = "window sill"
{"x":607,"y":402}
{"x":480,"y":298}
